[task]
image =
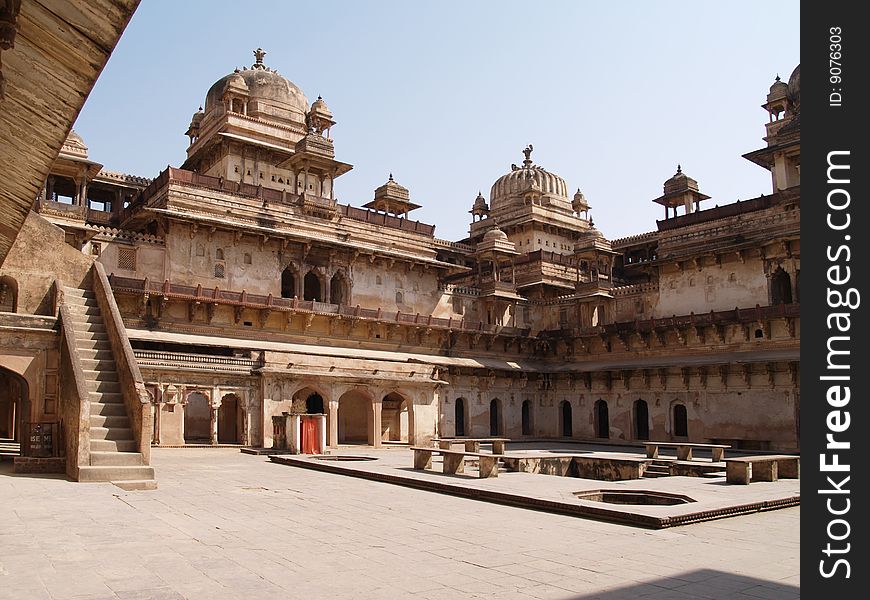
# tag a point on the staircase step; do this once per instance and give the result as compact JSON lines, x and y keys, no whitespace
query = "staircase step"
{"x":115,"y":409}
{"x":113,"y":446}
{"x":117,"y":459}
{"x":115,"y":473}
{"x":98,"y":333}
{"x":78,"y":293}
{"x":101,"y":375}
{"x":106,"y":397}
{"x":95,"y":354}
{"x":101,"y":420}
{"x":104,"y":386}
{"x":119,"y":434}
{"x":91,"y":364}
{"x":83,"y":344}
{"x":135,"y":485}
{"x":84,"y":311}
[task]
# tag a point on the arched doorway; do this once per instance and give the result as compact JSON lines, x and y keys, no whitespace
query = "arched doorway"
{"x":681,"y":421}
{"x":288,"y":283}
{"x":228,"y":420}
{"x":459,"y":417}
{"x":780,"y":287}
{"x":527,"y":418}
{"x":602,"y":420}
{"x":495,"y":417}
{"x":338,"y":292}
{"x":311,"y":285}
{"x":8,"y":294}
{"x":355,"y":422}
{"x":197,"y":419}
{"x":567,"y":419}
{"x":395,"y":418}
{"x":14,"y":412}
{"x":641,"y":420}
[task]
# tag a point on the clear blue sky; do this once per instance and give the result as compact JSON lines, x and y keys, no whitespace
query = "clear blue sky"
{"x":445,"y":95}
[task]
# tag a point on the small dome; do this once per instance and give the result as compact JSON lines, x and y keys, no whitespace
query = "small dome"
{"x":319,"y":105}
{"x":495,"y":234}
{"x":794,"y":90}
{"x":197,"y":118}
{"x":74,"y":144}
{"x":680,"y":182}
{"x":778,"y":90}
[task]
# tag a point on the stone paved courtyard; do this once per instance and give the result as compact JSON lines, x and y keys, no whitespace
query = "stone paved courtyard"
{"x":228,"y":525}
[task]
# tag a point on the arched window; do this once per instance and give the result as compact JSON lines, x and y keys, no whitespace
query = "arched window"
{"x":459,"y":417}
{"x":288,"y":283}
{"x":494,"y":417}
{"x":602,"y":419}
{"x":338,"y":293}
{"x":780,"y":287}
{"x":641,"y":420}
{"x":219,"y":254}
{"x":312,"y":287}
{"x":219,"y":270}
{"x":399,"y":298}
{"x":681,"y":421}
{"x":527,"y":418}
{"x":567,"y":419}
{"x":314,"y":404}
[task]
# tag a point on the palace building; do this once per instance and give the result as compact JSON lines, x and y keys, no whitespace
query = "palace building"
{"x":193,"y":307}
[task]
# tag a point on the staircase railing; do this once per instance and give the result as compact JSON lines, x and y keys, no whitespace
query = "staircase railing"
{"x":75,"y":401}
{"x":133,"y":391}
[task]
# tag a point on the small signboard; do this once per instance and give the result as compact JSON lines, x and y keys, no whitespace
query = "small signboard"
{"x":41,"y":440}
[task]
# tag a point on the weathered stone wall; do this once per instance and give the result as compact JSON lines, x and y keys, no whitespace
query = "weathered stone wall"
{"x":38,"y":257}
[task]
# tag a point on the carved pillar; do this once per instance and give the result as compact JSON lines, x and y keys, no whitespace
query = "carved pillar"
{"x":332,"y":423}
{"x":375,"y":424}
{"x":246,"y":401}
{"x":215,"y":408}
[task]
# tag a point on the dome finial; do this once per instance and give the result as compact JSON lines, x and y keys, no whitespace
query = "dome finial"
{"x":528,"y":152}
{"x":391,"y":177}
{"x":259,"y":53}
{"x":679,"y":169}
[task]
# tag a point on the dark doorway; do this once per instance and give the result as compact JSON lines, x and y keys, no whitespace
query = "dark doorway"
{"x":314,"y":404}
{"x":602,"y":420}
{"x":641,"y":420}
{"x":681,"y":421}
{"x":567,"y":420}
{"x":338,"y":289}
{"x":197,"y":418}
{"x":527,"y":418}
{"x":14,"y":411}
{"x":312,"y":287}
{"x":459,"y":417}
{"x":780,"y":287}
{"x":494,"y":418}
{"x":228,"y":420}
{"x":288,"y":283}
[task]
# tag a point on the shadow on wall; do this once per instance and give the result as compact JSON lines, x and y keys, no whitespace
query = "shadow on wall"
{"x":691,"y":585}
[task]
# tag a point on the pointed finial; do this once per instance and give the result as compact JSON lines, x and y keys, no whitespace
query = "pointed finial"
{"x":777,"y":77}
{"x":259,"y":53}
{"x":391,"y":176}
{"x":200,"y":108}
{"x":528,"y":152}
{"x":319,"y":97}
{"x":679,"y":169}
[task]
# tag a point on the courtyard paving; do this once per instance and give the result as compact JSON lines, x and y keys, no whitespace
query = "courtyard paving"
{"x":229,"y":525}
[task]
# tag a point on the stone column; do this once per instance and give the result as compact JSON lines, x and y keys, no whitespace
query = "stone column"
{"x":215,"y":407}
{"x":245,"y":399}
{"x":332,"y":423}
{"x":375,"y":421}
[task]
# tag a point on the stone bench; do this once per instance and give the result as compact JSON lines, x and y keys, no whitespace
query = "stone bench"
{"x":770,"y":467}
{"x":454,"y":461}
{"x":473,"y":444}
{"x":684,"y":450}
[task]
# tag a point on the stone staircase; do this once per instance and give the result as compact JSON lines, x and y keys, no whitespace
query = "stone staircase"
{"x":113,"y":455}
{"x":657,"y":468}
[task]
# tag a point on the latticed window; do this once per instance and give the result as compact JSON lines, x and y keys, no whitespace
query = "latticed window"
{"x":219,"y":270}
{"x":127,"y":259}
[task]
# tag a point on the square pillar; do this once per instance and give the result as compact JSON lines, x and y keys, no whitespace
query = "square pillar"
{"x":375,"y":424}
{"x":332,"y":422}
